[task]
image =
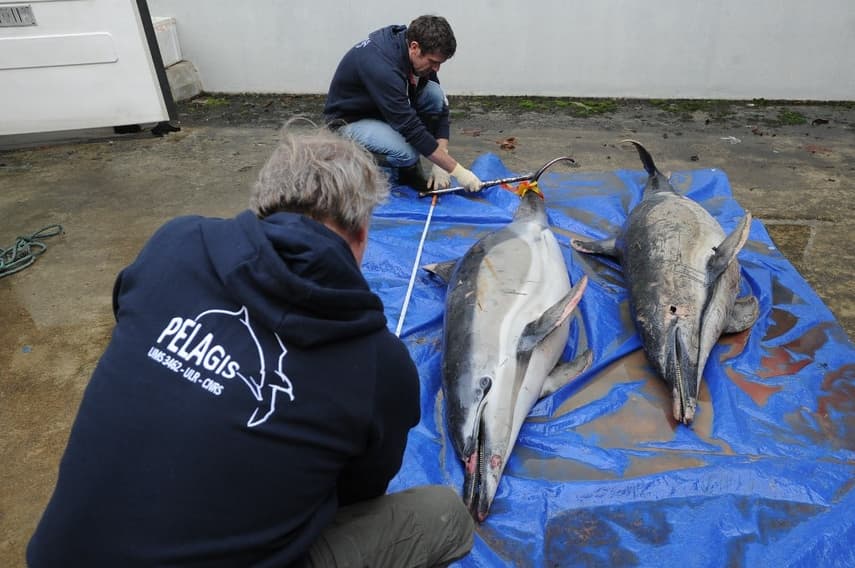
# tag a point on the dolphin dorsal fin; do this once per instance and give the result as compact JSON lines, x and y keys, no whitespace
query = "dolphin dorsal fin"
{"x":728,"y":249}
{"x":441,"y":269}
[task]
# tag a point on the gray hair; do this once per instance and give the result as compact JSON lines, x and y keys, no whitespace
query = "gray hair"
{"x":321,"y":175}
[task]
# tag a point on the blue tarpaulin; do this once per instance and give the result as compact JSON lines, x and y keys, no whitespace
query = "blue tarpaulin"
{"x":601,"y":474}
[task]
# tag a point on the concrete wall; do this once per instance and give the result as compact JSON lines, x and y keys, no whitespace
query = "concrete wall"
{"x":730,"y":49}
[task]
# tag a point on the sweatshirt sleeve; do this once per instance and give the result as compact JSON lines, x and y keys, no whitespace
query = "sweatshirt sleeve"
{"x":396,"y":411}
{"x":387,"y":87}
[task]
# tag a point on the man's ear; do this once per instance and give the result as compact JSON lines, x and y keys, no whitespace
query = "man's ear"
{"x":358,"y":242}
{"x":362,"y":234}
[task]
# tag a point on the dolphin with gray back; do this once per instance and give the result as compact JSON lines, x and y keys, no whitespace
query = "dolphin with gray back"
{"x":506,"y":324}
{"x":683,"y":279}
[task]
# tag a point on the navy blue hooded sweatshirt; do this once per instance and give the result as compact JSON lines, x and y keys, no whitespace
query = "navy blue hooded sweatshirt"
{"x":372,"y":81}
{"x":250,"y":387}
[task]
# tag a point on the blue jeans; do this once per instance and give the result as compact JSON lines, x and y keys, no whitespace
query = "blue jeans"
{"x":380,"y":138}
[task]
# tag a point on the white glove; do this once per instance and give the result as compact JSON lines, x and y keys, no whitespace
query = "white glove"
{"x":466,"y":178}
{"x":439,"y":178}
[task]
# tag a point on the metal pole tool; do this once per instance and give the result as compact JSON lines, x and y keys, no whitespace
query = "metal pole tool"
{"x":514,"y":179}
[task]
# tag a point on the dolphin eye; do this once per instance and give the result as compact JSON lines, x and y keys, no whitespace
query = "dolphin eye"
{"x":484,"y":385}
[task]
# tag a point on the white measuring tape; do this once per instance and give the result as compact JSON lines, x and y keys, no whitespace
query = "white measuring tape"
{"x":415,"y":270}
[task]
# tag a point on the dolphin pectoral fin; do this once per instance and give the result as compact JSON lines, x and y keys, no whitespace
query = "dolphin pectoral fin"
{"x":743,"y":315}
{"x":728,"y":249}
{"x":565,"y":372}
{"x":607,"y":247}
{"x":441,"y":269}
{"x":537,"y":330}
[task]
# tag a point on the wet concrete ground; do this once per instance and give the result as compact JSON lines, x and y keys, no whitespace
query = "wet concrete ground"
{"x":791,"y":165}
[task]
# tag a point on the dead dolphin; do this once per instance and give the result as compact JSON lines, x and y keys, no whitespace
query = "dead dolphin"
{"x":506,"y":324}
{"x":683,"y":279}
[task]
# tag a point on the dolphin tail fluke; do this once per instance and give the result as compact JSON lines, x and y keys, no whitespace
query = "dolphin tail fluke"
{"x":565,"y":372}
{"x":658,"y":181}
{"x":267,"y":406}
{"x":729,"y":248}
{"x":646,"y":158}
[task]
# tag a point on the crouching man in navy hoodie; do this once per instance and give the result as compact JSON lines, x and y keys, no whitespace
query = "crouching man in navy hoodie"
{"x":252,"y":406}
{"x":385,"y":94}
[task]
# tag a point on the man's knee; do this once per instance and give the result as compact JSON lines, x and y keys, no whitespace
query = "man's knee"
{"x":447,"y":524}
{"x":404,"y":160}
{"x":431,"y":105}
{"x":437,"y":501}
{"x":432,"y":100}
{"x":421,"y":526}
{"x":382,"y":140}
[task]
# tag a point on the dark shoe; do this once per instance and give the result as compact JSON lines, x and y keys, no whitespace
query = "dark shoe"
{"x":380,"y":159}
{"x":414,"y":177}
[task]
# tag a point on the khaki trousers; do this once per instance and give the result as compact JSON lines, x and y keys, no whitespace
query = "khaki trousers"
{"x":421,"y":527}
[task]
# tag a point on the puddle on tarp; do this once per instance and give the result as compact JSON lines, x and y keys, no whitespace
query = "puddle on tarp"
{"x":833,"y":421}
{"x":601,"y":536}
{"x":646,"y":416}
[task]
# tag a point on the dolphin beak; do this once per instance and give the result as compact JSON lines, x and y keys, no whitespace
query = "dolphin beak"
{"x":683,"y":369}
{"x":472,"y":475}
{"x":474,"y":490}
{"x":483,"y":469}
{"x":476,"y":495}
{"x":483,"y":508}
{"x":684,"y":407}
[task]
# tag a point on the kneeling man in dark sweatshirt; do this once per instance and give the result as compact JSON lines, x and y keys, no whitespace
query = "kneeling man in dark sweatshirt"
{"x":252,"y":406}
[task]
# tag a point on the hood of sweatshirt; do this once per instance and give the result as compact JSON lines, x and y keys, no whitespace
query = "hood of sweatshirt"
{"x":295,"y":275}
{"x":391,"y":42}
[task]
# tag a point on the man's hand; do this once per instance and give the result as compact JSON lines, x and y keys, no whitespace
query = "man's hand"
{"x":466,"y":178}
{"x":439,"y":178}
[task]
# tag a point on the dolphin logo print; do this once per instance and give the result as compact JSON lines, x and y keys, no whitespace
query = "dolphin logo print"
{"x":266,"y":393}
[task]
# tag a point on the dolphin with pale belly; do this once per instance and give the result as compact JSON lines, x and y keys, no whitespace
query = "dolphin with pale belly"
{"x":506,"y":324}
